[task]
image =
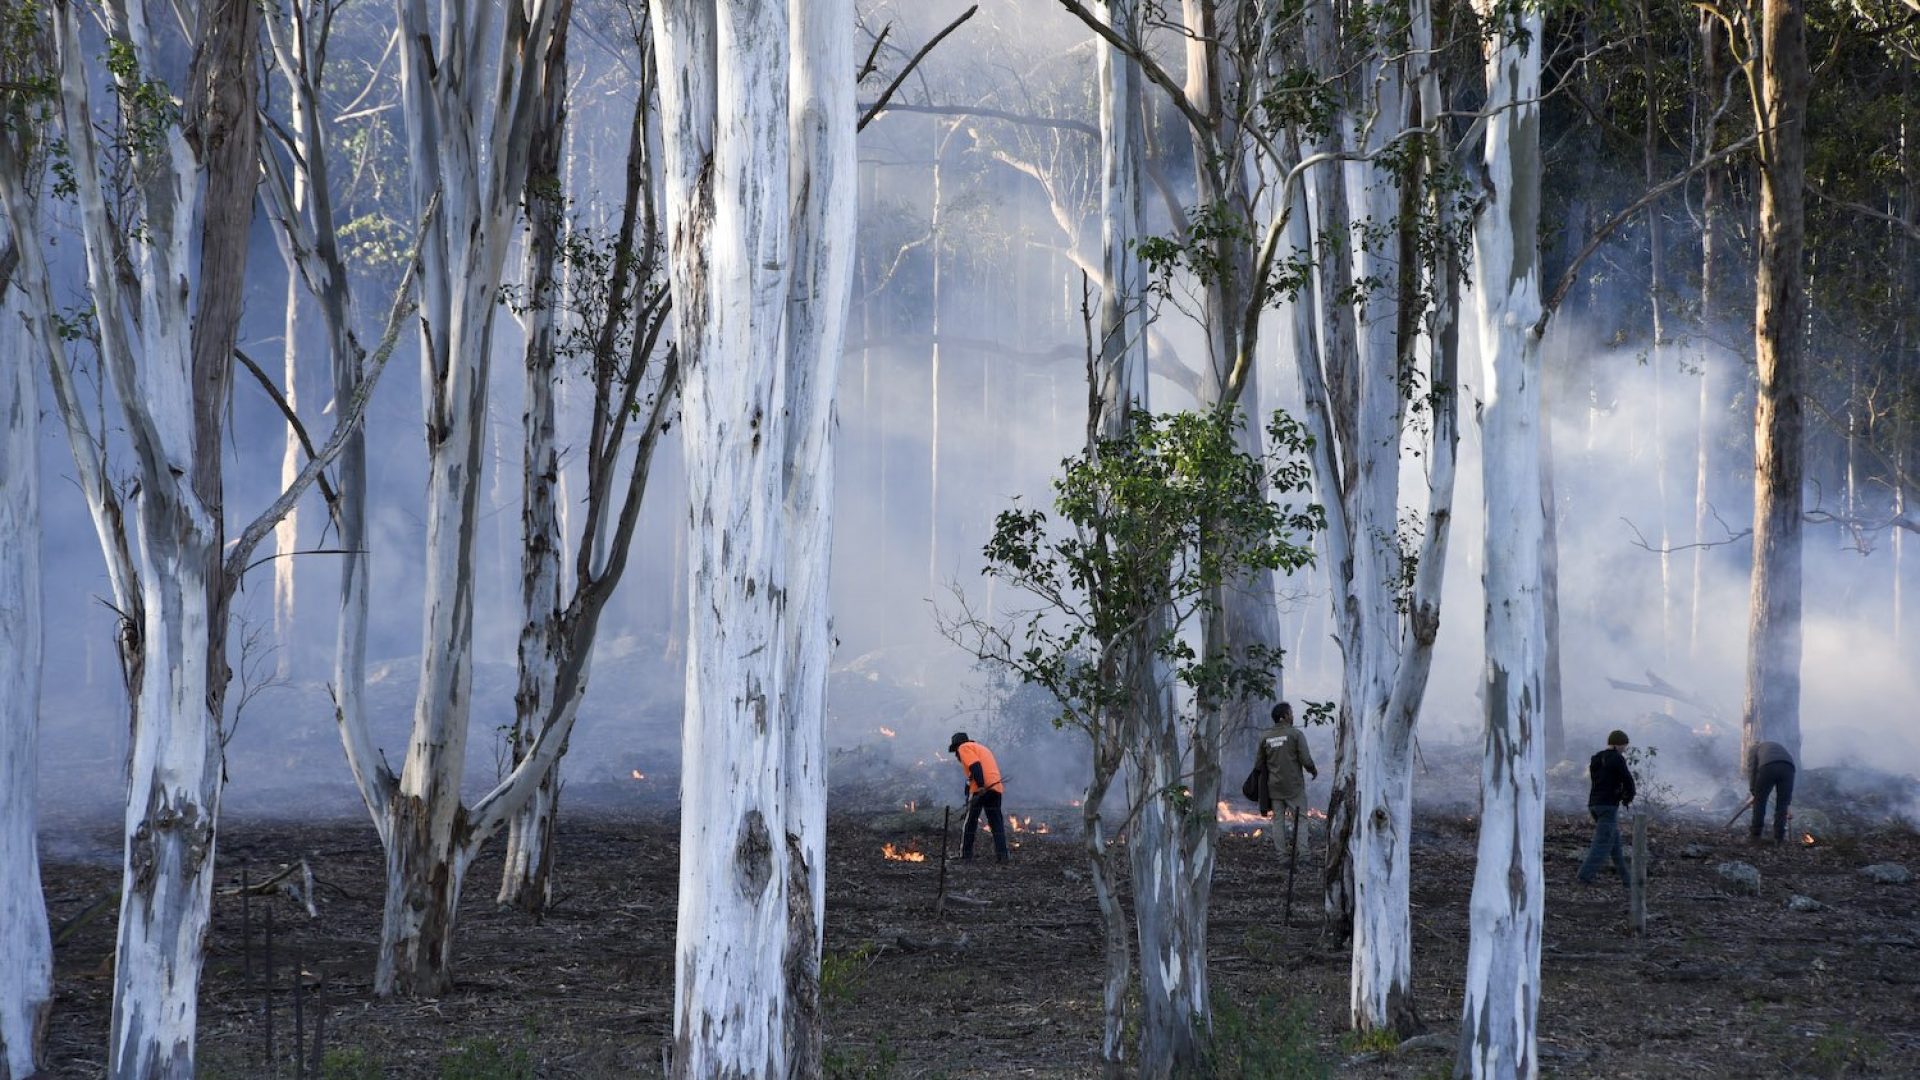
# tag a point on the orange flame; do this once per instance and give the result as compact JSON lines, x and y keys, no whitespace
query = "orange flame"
{"x":887,"y":731}
{"x":901,"y":854}
{"x":1016,"y":824}
{"x":1807,"y":839}
{"x":638,"y":775}
{"x":1229,"y":817}
{"x":1074,"y":803}
{"x":1317,"y":815}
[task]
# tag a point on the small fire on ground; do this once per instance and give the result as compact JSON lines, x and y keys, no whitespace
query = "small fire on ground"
{"x":638,"y":775}
{"x":1808,"y":839}
{"x":1018,"y":824}
{"x":1250,"y":822}
{"x":904,"y":853}
{"x":888,"y":732}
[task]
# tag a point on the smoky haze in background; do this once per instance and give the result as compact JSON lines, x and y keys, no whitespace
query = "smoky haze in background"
{"x":918,"y":486}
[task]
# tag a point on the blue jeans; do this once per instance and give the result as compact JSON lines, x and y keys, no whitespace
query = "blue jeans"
{"x":1606,"y":842}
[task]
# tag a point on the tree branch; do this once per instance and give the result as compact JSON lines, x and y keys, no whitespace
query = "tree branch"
{"x":293,"y":421}
{"x":880,"y":105}
{"x":1612,"y":225}
{"x":350,"y":416}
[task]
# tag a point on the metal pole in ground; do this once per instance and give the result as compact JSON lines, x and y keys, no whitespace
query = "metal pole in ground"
{"x":267,"y":988}
{"x":1637,"y":882}
{"x":940,"y":895}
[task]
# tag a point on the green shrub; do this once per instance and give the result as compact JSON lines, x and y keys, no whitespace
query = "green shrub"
{"x":874,"y":1064}
{"x":350,"y":1063}
{"x":1263,"y":1042}
{"x":488,"y":1059}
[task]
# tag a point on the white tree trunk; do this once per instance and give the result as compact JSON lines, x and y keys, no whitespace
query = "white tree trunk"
{"x":172,"y":422}
{"x":444,"y":94}
{"x":1382,"y":970}
{"x":286,"y":535}
{"x":823,"y":182}
{"x":526,"y":879}
{"x":724,"y":92}
{"x":1502,"y":997}
{"x":26,"y":975}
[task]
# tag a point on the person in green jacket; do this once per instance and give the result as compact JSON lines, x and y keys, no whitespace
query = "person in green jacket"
{"x":1284,"y":755}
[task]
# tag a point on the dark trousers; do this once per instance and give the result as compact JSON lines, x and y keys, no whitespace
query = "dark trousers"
{"x":1774,"y":776}
{"x":989,"y":803}
{"x":1606,"y":844}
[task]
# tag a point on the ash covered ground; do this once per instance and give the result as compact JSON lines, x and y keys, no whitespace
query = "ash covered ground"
{"x":1005,"y":982}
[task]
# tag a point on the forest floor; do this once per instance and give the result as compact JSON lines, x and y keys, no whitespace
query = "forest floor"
{"x":1722,"y":984}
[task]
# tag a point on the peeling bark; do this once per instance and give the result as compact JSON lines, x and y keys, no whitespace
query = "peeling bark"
{"x":26,"y":976}
{"x":1500,"y":1013}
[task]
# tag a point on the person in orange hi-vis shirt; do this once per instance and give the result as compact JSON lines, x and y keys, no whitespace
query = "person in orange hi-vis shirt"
{"x":984,"y":791}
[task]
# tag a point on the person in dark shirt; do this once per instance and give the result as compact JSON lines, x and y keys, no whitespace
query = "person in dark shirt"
{"x":1770,"y":771}
{"x":1612,"y":789}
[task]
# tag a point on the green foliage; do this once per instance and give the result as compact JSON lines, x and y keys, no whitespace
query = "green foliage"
{"x":877,"y":1063}
{"x":1150,"y":525}
{"x":1652,"y":793}
{"x":488,"y":1059}
{"x":1267,"y":1041}
{"x":1374,"y":1041}
{"x":147,"y":107}
{"x":1840,"y":1049}
{"x":350,"y":1063}
{"x":841,"y":972}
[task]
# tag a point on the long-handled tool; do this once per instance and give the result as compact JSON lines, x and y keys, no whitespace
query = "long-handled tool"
{"x":1737,"y":813}
{"x":1293,"y":855}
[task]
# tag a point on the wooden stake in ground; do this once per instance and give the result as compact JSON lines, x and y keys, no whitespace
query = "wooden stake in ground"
{"x":940,"y":896}
{"x":1637,"y":878}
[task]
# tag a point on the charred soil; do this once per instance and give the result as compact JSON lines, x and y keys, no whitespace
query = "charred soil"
{"x":1005,"y":982}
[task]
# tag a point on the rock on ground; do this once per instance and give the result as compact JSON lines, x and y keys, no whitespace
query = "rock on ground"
{"x":1743,"y":877}
{"x":1887,"y":873}
{"x":1797,"y":902}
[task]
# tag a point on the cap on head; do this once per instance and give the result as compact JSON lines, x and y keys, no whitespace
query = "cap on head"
{"x":1616,"y":737}
{"x":958,"y":738}
{"x":1283,"y":711}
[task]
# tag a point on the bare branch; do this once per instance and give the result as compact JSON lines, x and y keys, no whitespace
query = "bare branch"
{"x":879,"y":106}
{"x":350,"y":416}
{"x":293,"y":421}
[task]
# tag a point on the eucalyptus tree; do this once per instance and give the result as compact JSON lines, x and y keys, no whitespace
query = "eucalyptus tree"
{"x":1777,"y":69}
{"x":602,"y":305}
{"x":758,"y":119}
{"x":165,"y":266}
{"x":1145,"y":525}
{"x":26,"y":977}
{"x":454,"y":101}
{"x":1500,"y":1012}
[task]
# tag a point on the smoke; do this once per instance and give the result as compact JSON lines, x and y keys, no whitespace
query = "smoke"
{"x":992,"y":290}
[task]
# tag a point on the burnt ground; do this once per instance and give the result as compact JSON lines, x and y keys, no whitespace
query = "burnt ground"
{"x":1721,"y":985}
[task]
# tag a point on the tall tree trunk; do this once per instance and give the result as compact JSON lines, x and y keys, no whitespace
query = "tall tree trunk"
{"x":171,"y":380}
{"x":728,"y":204}
{"x":526,"y":879}
{"x":1712,"y":238}
{"x":444,"y":95}
{"x":1657,"y":298}
{"x":26,"y":976}
{"x":286,"y":535}
{"x":1772,"y":707}
{"x":1500,"y":1013}
{"x":1382,"y":971}
{"x":823,"y":184}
